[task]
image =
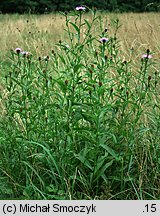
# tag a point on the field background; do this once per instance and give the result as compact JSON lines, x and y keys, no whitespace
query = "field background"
{"x":30,"y":174}
{"x":40,"y":32}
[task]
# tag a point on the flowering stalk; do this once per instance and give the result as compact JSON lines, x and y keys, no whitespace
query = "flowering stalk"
{"x":103,"y":41}
{"x":80,"y":9}
{"x":89,"y":26}
{"x":145,"y":58}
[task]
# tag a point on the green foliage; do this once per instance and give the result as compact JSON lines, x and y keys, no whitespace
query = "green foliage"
{"x":81,"y":123}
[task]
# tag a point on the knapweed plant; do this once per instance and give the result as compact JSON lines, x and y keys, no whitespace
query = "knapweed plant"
{"x":81,"y":122}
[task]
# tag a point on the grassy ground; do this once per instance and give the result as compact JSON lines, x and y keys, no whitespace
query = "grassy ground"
{"x":80,"y":119}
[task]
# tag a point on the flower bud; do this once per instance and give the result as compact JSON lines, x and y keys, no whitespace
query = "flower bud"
{"x":90,"y":92}
{"x":111,"y":90}
{"x":66,"y":82}
{"x":100,"y":83}
{"x":148,"y":51}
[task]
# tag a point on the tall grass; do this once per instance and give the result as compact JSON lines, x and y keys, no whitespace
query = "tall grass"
{"x":81,"y":121}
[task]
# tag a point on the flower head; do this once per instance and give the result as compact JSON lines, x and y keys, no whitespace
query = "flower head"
{"x":66,"y":46}
{"x":18,"y":50}
{"x":24,"y":53}
{"x":103,"y":39}
{"x":80,"y":8}
{"x":46,"y":58}
{"x":146,"y":56}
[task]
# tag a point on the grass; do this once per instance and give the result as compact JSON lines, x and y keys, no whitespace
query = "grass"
{"x":80,"y":119}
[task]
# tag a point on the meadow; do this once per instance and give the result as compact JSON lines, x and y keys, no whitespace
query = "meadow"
{"x":80,"y":106}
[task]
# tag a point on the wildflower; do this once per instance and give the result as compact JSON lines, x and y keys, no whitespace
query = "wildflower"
{"x":67,"y":46}
{"x":46,"y":58}
{"x":18,"y":50}
{"x":146,"y":56}
{"x":103,"y":39}
{"x":80,"y":8}
{"x":24,"y":54}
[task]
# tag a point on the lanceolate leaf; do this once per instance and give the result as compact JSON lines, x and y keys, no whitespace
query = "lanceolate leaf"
{"x":75,"y":27}
{"x":110,"y":151}
{"x":100,"y":173}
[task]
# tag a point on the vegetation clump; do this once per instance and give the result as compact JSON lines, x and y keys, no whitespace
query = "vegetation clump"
{"x":81,"y":122}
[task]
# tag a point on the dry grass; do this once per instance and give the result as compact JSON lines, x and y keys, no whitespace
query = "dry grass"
{"x":39,"y":33}
{"x":41,"y":109}
{"x":140,"y":31}
{"x":137,"y":33}
{"x":30,"y":32}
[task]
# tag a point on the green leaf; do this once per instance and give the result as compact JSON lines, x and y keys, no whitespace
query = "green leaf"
{"x":82,"y":156}
{"x":49,"y":155}
{"x":101,"y":171}
{"x":62,"y":59}
{"x":89,"y":40}
{"x":75,"y":27}
{"x":111,"y":151}
{"x":76,"y":67}
{"x":36,"y":173}
{"x":100,"y":162}
{"x":144,"y":130}
{"x":89,"y":26}
{"x":62,"y":85}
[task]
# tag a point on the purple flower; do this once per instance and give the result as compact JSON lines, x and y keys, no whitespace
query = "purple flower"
{"x":148,"y":56}
{"x":24,"y":53}
{"x":18,"y":50}
{"x":80,"y":8}
{"x":103,"y":39}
